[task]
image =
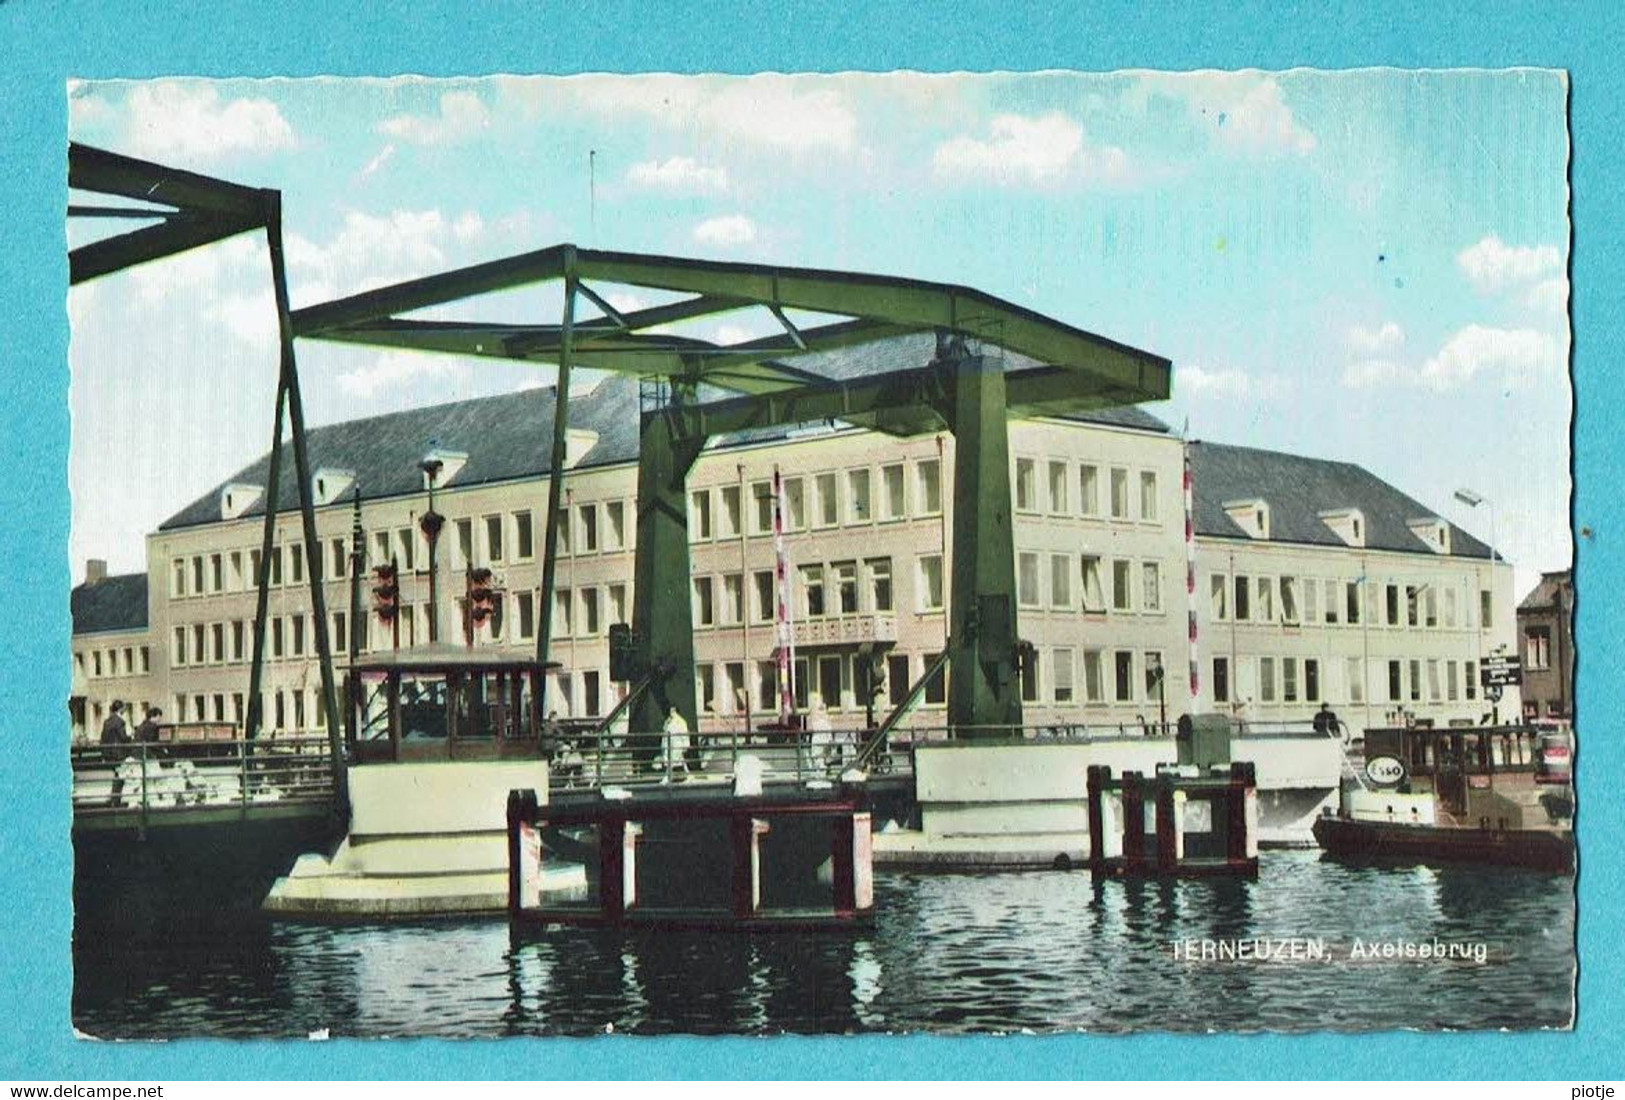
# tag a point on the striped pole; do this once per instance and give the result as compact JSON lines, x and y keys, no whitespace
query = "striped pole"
{"x":785,"y":652}
{"x":1190,"y":578}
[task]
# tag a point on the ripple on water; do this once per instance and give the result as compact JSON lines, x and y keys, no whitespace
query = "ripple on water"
{"x":951,"y":953}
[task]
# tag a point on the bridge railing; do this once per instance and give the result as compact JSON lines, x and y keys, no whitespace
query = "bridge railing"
{"x":174,"y":776}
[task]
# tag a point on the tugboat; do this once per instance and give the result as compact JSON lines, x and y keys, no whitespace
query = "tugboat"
{"x":1493,"y":795}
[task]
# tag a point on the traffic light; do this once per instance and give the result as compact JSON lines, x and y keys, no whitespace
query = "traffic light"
{"x":481,"y":598}
{"x":386,"y":591}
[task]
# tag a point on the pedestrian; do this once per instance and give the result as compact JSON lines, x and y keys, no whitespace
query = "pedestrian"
{"x":115,"y":735}
{"x":676,"y":731}
{"x":147,"y":732}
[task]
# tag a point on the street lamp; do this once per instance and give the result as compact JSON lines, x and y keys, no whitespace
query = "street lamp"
{"x":431,"y":523}
{"x":1473,"y":500}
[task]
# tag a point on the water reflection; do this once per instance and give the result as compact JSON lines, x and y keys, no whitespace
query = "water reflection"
{"x":959,"y":953}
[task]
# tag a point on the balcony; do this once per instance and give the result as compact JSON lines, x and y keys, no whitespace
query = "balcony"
{"x":856,"y":629}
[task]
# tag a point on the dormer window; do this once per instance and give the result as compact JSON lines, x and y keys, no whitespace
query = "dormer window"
{"x":1433,"y":531}
{"x":1252,"y":516}
{"x":237,"y":497}
{"x":1347,"y":524}
{"x":577,"y":443}
{"x":330,"y":484}
{"x":451,"y":464}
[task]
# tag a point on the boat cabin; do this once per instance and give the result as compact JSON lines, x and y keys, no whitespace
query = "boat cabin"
{"x":446,"y":702}
{"x":1474,"y":773}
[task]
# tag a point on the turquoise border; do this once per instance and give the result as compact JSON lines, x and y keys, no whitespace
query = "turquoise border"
{"x":47,"y":42}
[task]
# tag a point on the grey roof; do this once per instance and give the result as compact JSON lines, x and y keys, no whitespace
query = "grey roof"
{"x":505,"y":437}
{"x":112,"y":603}
{"x":509,"y":436}
{"x":1544,"y":595}
{"x":1298,"y":489}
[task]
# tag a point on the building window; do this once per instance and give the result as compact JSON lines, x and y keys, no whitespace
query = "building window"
{"x":733,"y":598}
{"x":730,"y":513}
{"x":1289,"y":679}
{"x":96,"y":662}
{"x":217,"y":572}
{"x":1266,"y":599}
{"x":1148,"y":495}
{"x":1469,"y":679}
{"x":699,"y":514}
{"x":1218,"y":591}
{"x":276,"y":561}
{"x":1289,"y":599}
{"x":237,"y":640}
{"x":1537,"y":644}
{"x":1058,"y":479}
{"x":1396,"y":682}
{"x":177,"y":580}
{"x":857,"y":489}
{"x":1416,"y":681}
{"x":589,"y":612}
{"x":1094,"y":685}
{"x":761,"y":494}
{"x":893,"y":501}
{"x":1027,"y":580}
{"x":830,"y":678}
{"x":795,"y":504}
{"x":812,"y":591}
{"x":928,"y":487}
{"x":197,"y":576}
{"x":829,"y":504}
{"x":1354,"y":672}
{"x":524,"y":538}
{"x":766,"y":608}
{"x":930,"y":580}
{"x":1392,"y":601}
{"x":615,"y":525}
{"x":1486,"y":608}
{"x":1351,"y":595}
{"x":1123,"y":676}
{"x":1311,"y":680}
{"x":146,"y":659}
{"x":936,"y":688}
{"x":1119,"y":494}
{"x":733,"y":674}
{"x":1221,"y":679}
{"x":897,"y":684}
{"x":1026,"y":487}
{"x":846,"y":586}
{"x":1412,"y":600}
{"x":1151,"y":586}
{"x":464,"y":545}
{"x":1060,"y":580}
{"x":704,"y":604}
{"x":1094,"y":592}
{"x":1122,"y":590}
{"x":1154,"y":675}
{"x":1243,"y":604}
{"x":879,"y":571}
{"x":1061,"y":675}
{"x":1089,"y":490}
{"x":565,"y":542}
{"x":1452,"y":678}
{"x":1266,"y":679}
{"x":217,"y":643}
{"x":617,"y":603}
{"x":525,"y":609}
{"x":1029,"y":677}
{"x":296,"y":562}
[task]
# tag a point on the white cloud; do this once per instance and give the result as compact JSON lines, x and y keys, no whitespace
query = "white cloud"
{"x":1367,"y":342}
{"x":683,"y":174}
{"x":1494,"y":266}
{"x":1226,"y":382}
{"x":394,"y":371}
{"x":189,"y":121}
{"x":1041,"y":151}
{"x":1520,"y":356}
{"x":462,"y":116}
{"x":1549,"y":296}
{"x":370,"y":251}
{"x":1246,"y":112}
{"x":727,"y":231}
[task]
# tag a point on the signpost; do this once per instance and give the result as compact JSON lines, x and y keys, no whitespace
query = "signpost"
{"x":1496,"y":672}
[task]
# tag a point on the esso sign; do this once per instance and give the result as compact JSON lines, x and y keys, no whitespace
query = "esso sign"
{"x":1385,"y":771}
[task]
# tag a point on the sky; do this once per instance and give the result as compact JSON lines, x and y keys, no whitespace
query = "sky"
{"x":1365,"y":266}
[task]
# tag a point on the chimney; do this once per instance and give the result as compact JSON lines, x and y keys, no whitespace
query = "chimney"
{"x":95,"y":570}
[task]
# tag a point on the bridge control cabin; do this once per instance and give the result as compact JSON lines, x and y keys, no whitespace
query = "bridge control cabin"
{"x":445,"y":702}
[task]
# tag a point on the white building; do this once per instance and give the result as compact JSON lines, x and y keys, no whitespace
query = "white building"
{"x":1300,"y":564}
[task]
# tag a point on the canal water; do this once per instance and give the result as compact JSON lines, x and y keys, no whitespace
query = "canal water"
{"x":1043,"y":951}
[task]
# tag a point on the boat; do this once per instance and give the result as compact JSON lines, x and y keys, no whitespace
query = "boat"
{"x":1488,"y":796}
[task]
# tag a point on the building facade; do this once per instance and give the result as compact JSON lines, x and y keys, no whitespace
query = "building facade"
{"x":1290,"y":613}
{"x":1546,"y":637}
